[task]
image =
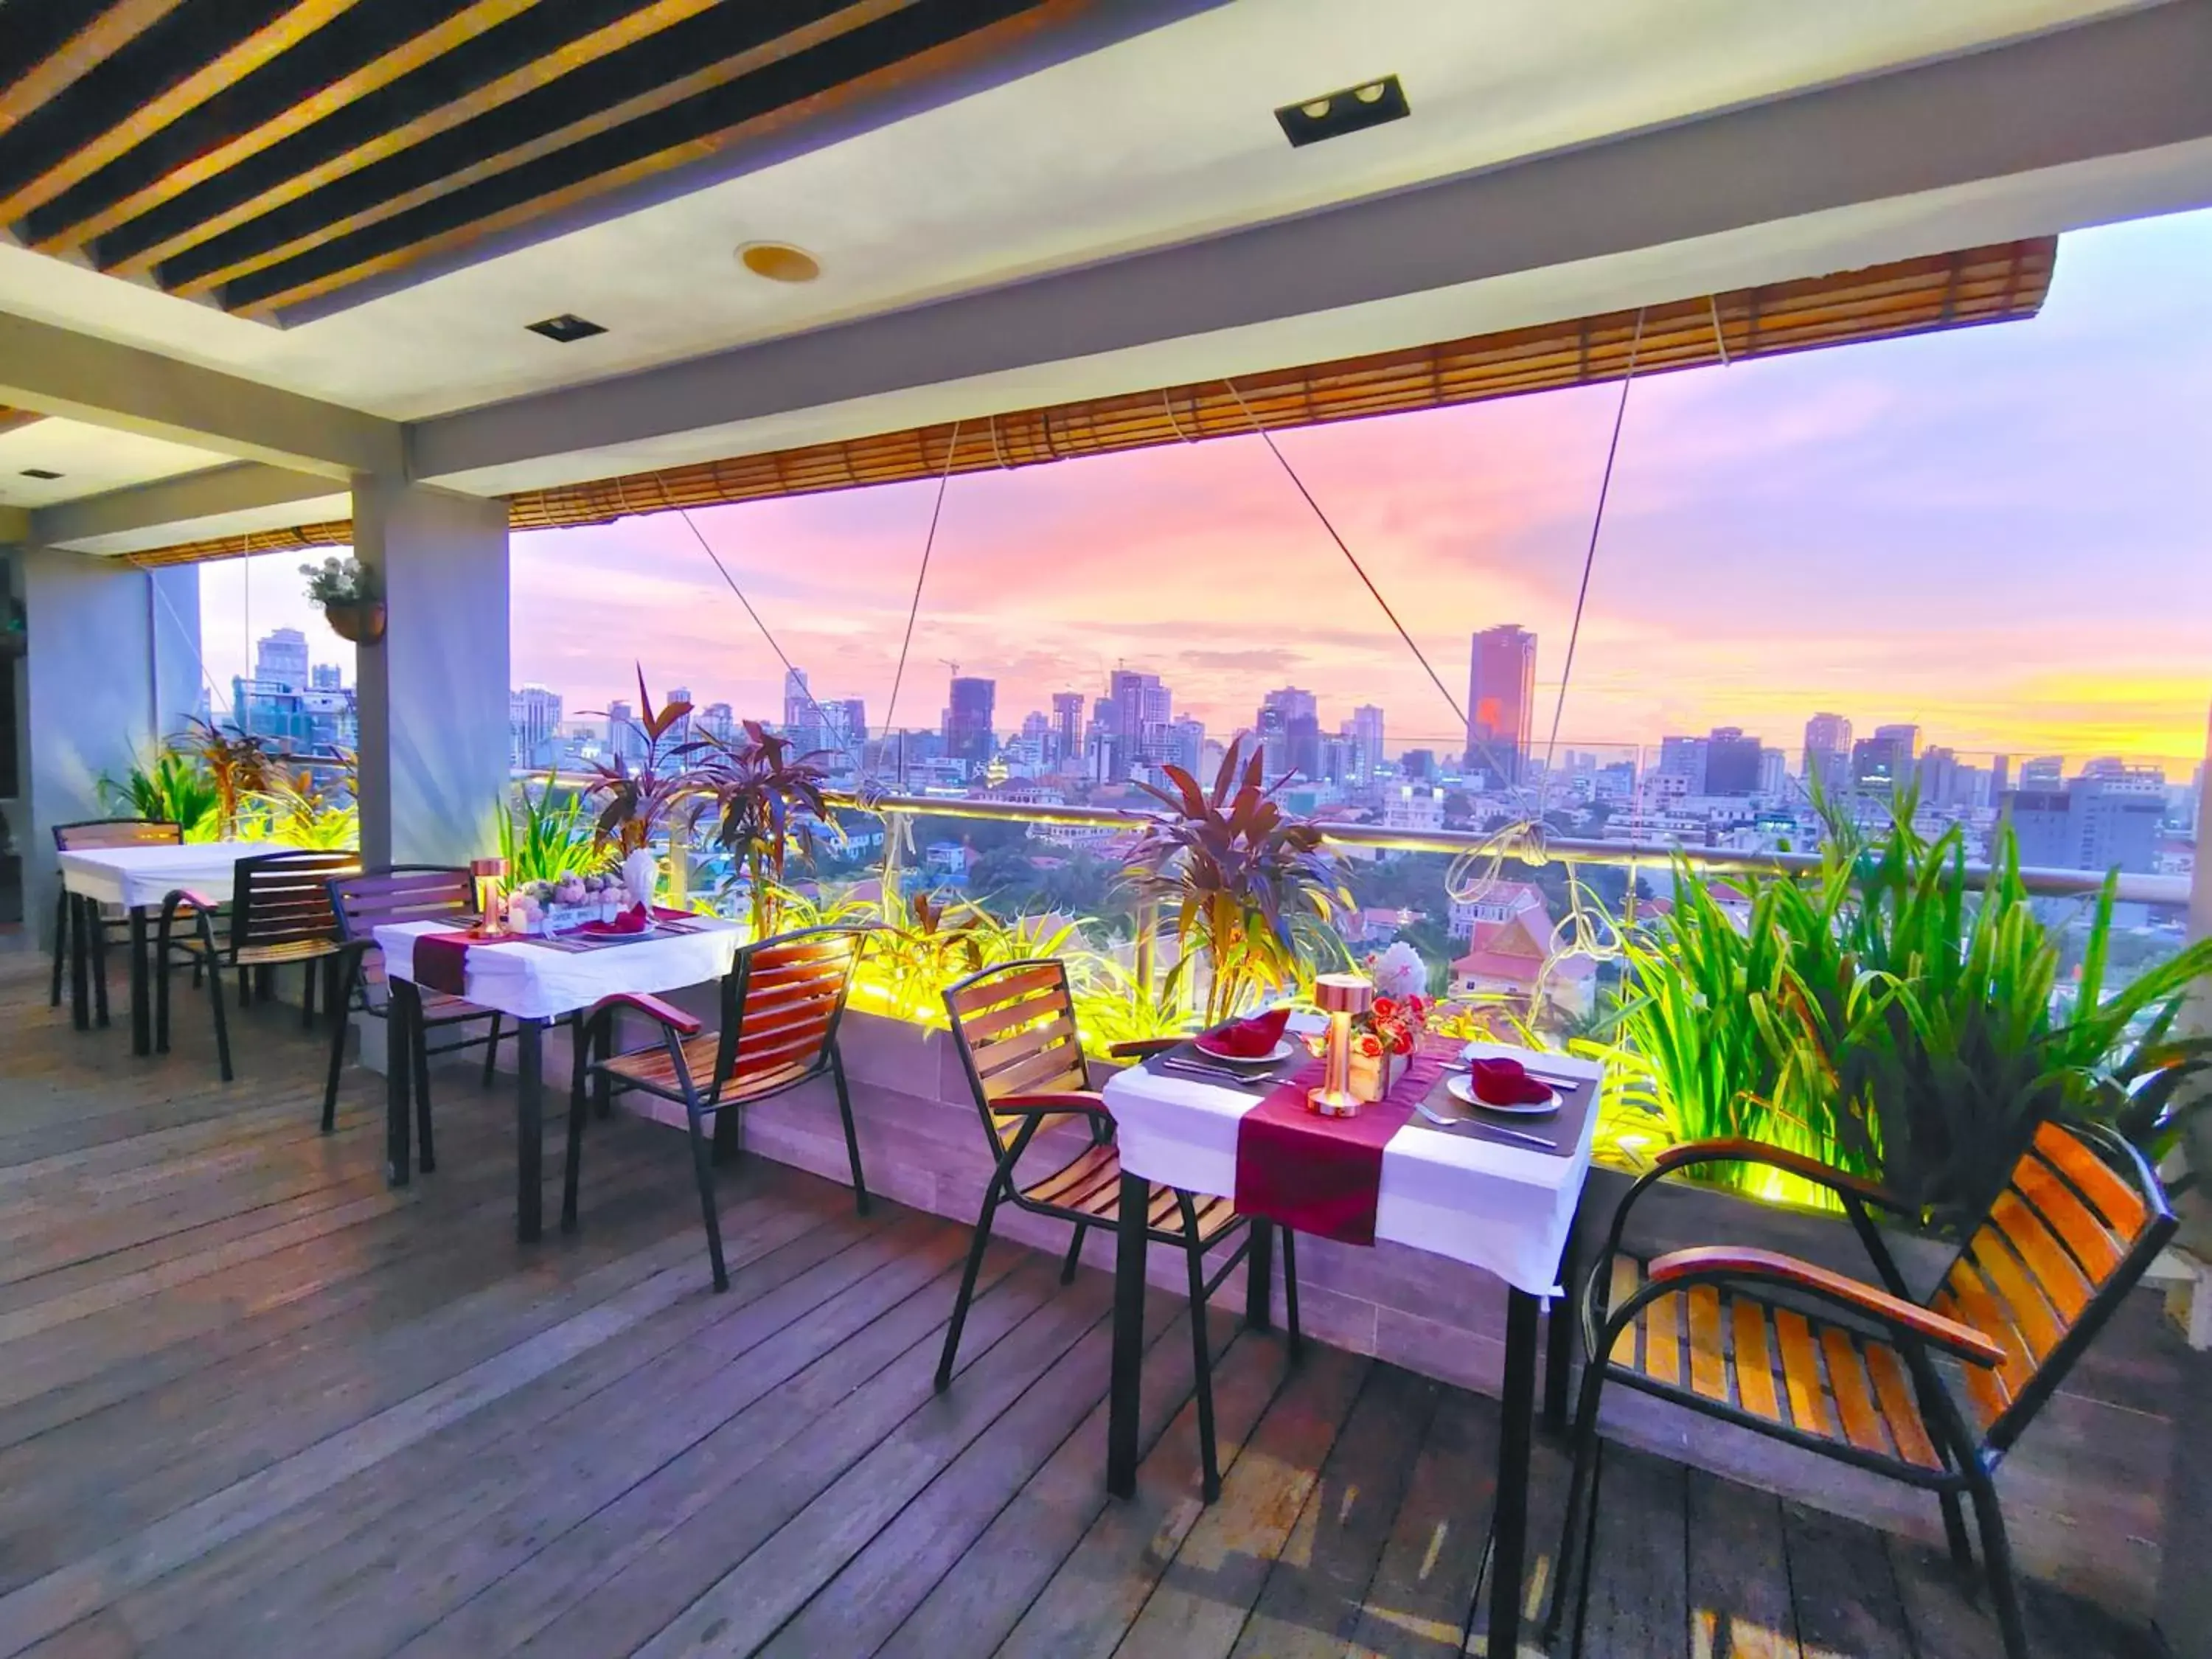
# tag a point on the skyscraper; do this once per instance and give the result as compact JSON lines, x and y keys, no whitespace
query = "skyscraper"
{"x":1289,"y":733}
{"x":624,"y":738}
{"x":681,"y":731}
{"x":797,"y":707}
{"x":1365,"y":731}
{"x":1142,"y":707}
{"x":1827,"y":750}
{"x":323,"y":676}
{"x":1186,"y":744}
{"x":1885,"y":761}
{"x":1067,"y":725}
{"x":1686,"y":758}
{"x":533,"y":726}
{"x":1501,"y":694}
{"x":719,"y":720}
{"x":280,"y":660}
{"x":1732,"y":761}
{"x":968,"y":719}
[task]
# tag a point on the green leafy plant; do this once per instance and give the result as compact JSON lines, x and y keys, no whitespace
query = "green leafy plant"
{"x":635,"y":803}
{"x":173,"y":786}
{"x":1250,"y":889}
{"x":764,"y":795}
{"x":299,"y":812}
{"x":238,"y":764}
{"x":341,"y":581}
{"x":545,"y":837}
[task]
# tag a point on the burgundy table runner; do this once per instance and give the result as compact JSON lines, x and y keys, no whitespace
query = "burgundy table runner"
{"x":1324,"y":1175}
{"x":441,"y":959}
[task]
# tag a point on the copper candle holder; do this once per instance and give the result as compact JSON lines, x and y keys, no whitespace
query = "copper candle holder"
{"x":1340,"y":996}
{"x":490,"y":877}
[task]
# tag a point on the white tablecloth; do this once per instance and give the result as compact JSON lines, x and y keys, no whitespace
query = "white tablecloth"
{"x":135,"y":876}
{"x":533,"y":982}
{"x":1503,"y":1208}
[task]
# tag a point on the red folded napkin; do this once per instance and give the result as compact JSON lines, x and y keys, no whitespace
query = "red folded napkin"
{"x":1248,"y":1039}
{"x":1507,"y":1083}
{"x":632,"y":920}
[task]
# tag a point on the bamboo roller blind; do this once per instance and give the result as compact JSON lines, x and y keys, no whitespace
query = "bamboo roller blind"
{"x":1999,"y":284}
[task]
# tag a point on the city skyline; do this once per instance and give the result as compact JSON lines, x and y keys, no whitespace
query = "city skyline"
{"x":1904,"y":532}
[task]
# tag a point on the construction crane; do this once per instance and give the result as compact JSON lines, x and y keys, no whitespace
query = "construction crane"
{"x":951,"y":664}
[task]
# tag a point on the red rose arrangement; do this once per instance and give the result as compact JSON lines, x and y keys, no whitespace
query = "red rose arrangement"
{"x":1391,"y":1025}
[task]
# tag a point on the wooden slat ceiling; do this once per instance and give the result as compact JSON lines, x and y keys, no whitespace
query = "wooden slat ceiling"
{"x":268,"y":153}
{"x":2000,"y":283}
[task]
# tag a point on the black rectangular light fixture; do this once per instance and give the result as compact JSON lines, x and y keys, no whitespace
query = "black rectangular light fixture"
{"x":39,"y":472}
{"x":567,"y":328}
{"x":1353,"y":109}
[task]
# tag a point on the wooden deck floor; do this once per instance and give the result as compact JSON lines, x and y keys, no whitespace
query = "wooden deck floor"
{"x":253,"y":1403}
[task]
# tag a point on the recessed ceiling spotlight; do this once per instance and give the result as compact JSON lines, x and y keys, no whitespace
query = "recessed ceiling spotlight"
{"x":39,"y":472}
{"x":1350,"y":109}
{"x":779,"y":261}
{"x":567,"y":328}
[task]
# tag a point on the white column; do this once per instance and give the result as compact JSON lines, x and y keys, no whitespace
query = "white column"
{"x":433,"y":694}
{"x":112,"y":668}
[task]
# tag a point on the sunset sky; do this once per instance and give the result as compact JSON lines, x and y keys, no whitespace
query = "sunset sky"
{"x":2003,"y":534}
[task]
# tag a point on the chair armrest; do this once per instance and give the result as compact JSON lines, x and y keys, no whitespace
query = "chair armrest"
{"x":184,"y":898}
{"x":1724,"y":1263}
{"x":1049,"y":1102}
{"x":662,"y":1013}
{"x":1144,"y":1048}
{"x":1777,"y":1157}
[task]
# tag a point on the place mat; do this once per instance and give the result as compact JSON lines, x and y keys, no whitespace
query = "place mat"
{"x":1321,"y":1174}
{"x":1577,"y":1101}
{"x":441,"y":960}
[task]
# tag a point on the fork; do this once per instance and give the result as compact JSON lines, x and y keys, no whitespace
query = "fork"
{"x":1442,"y":1121}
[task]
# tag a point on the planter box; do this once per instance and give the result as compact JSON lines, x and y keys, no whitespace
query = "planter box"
{"x":2085,"y":1493}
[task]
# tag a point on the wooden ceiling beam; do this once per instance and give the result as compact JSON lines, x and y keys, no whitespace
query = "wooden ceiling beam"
{"x":736,"y":67}
{"x":263,"y":46}
{"x":409,"y":56}
{"x":648,"y":19}
{"x":90,"y":46}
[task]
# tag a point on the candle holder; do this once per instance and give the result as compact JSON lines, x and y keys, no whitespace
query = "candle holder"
{"x":490,"y":877}
{"x":1340,"y":996}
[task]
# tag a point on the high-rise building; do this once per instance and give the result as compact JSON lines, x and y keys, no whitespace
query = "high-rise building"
{"x":1938,"y":772}
{"x":533,"y":719}
{"x":280,"y":660}
{"x":325,"y":677}
{"x":1884,"y":761}
{"x":1142,"y":707}
{"x":2103,"y":823}
{"x":1501,"y":695}
{"x":1773,"y":774}
{"x":1828,"y":751}
{"x":2042,"y":772}
{"x":968,"y":735}
{"x":624,"y":738}
{"x":1732,"y":763}
{"x":718,"y":721}
{"x":1067,"y":725}
{"x":1187,"y":746}
{"x":1364,"y":728}
{"x":2000,"y":777}
{"x":844,"y":727}
{"x":1271,"y":727}
{"x":1684,"y":758}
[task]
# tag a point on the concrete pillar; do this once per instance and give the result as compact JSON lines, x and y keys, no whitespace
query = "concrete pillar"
{"x":433,"y":694}
{"x":114,"y":667}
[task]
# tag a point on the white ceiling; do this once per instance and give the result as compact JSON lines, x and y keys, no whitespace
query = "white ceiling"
{"x":1156,"y":140}
{"x":92,"y":460}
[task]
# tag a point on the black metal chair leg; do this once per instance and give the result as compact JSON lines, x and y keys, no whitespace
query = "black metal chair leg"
{"x":853,"y":1140}
{"x":340,"y":998}
{"x":491,"y":1054}
{"x":1201,"y":1350}
{"x":1074,"y":1255}
{"x":307,"y":972}
{"x":162,"y":986}
{"x":975,"y":1248}
{"x":80,"y":967}
{"x":1954,"y":1532}
{"x":215,"y":1002}
{"x":1291,"y":1292}
{"x":702,"y":1163}
{"x":1996,"y":1558}
{"x":1589,"y":1548}
{"x":572,"y":1168}
{"x":418,"y":1053}
{"x":61,"y":944}
{"x":246,"y":988}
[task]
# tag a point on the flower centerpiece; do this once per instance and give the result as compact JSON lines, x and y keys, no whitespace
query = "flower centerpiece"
{"x":562,"y":906}
{"x":352,"y":602}
{"x":1382,"y":1043}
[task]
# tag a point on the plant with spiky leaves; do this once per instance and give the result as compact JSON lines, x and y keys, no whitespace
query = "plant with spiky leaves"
{"x":239,"y":764}
{"x":659,"y":792}
{"x":764,"y":796}
{"x":1251,"y":889}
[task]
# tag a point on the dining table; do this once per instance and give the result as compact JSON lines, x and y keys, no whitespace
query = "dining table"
{"x":136,"y":879}
{"x":1479,"y":1190}
{"x":533,"y":979}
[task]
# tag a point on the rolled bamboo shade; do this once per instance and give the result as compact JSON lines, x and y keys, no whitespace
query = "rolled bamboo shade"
{"x":2004,"y":282}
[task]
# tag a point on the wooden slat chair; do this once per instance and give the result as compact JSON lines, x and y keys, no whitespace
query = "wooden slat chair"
{"x":82,"y":926}
{"x":1933,"y":1391}
{"x":1014,"y":1028}
{"x":363,"y":901}
{"x":280,"y":913}
{"x":782,"y":1001}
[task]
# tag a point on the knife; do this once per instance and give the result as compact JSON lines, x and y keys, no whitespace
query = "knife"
{"x":1214,"y":1073}
{"x":1439,"y":1119}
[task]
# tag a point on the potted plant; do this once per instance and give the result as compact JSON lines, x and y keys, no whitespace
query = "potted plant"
{"x":351,"y":601}
{"x":659,"y":793}
{"x":240,"y":765}
{"x":757,"y":783}
{"x":1251,"y":890}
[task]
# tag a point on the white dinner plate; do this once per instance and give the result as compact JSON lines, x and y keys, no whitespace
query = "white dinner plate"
{"x":1461,"y":1088}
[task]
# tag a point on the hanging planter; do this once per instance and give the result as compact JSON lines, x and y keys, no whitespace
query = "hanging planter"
{"x":348,"y":594}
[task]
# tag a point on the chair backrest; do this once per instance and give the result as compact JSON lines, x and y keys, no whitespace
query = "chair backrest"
{"x":2077,"y":1222}
{"x":1014,"y":1028}
{"x":284,"y":898}
{"x":116,"y":832}
{"x":365,"y":900}
{"x":782,"y":1003}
